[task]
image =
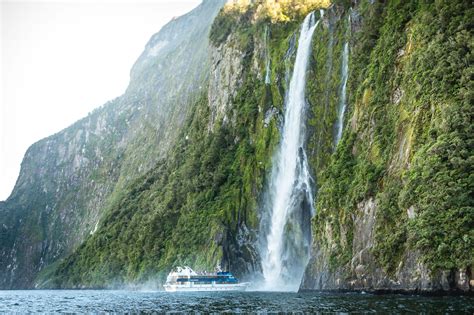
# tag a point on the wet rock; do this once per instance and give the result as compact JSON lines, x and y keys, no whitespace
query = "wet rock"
{"x":269,"y":114}
{"x":397,"y":95}
{"x":462,"y":280}
{"x":225,"y":79}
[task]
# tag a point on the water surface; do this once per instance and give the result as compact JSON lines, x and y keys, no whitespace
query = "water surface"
{"x":106,"y":301}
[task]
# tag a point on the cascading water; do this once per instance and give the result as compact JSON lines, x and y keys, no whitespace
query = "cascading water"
{"x":290,"y":199}
{"x":343,"y":96}
{"x":267,"y":58}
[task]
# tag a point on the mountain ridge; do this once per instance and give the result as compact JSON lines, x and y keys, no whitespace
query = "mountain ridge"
{"x":68,"y":179}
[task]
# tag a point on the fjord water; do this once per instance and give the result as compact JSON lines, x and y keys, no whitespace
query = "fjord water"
{"x":290,"y":200}
{"x":106,"y":301}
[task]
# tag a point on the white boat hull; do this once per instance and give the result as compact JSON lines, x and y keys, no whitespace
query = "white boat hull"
{"x":192,"y":287}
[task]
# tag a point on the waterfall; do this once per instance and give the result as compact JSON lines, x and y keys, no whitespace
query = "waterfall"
{"x":342,"y":93}
{"x":267,"y":57}
{"x":290,"y":199}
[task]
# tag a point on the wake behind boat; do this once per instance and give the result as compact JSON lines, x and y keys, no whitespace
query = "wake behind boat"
{"x":187,"y":280}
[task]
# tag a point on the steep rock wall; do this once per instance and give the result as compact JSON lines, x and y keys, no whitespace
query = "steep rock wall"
{"x":389,"y":217}
{"x":69,"y":180}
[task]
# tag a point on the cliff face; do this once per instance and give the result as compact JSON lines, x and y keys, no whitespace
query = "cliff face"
{"x":175,"y":171}
{"x":395,"y":206}
{"x":198,"y":206}
{"x":68,"y":181}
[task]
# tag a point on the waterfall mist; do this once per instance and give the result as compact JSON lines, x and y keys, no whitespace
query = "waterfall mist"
{"x":289,"y":200}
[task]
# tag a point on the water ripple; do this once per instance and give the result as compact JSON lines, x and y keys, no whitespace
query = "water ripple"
{"x":104,"y":302}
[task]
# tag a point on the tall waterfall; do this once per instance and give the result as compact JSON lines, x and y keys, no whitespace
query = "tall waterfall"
{"x":343,"y":95}
{"x":290,"y":199}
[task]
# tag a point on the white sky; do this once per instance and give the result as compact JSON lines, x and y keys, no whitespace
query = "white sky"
{"x":62,"y":59}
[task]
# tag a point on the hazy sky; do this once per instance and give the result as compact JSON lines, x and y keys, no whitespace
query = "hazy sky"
{"x":61,"y":59}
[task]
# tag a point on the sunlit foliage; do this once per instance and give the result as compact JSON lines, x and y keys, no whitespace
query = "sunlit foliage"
{"x":276,"y":10}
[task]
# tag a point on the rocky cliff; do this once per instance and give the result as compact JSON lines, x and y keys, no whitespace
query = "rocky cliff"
{"x":395,"y":206}
{"x":68,"y":180}
{"x":175,"y":171}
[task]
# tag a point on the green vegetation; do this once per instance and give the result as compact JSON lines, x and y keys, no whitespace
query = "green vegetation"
{"x":408,"y":139}
{"x":440,"y":182}
{"x":275,"y":11}
{"x":244,"y":17}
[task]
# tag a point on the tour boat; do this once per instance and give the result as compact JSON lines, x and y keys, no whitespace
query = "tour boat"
{"x":186,"y":280}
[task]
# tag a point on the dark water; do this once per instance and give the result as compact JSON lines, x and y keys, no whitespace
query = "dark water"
{"x":84,"y":301}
